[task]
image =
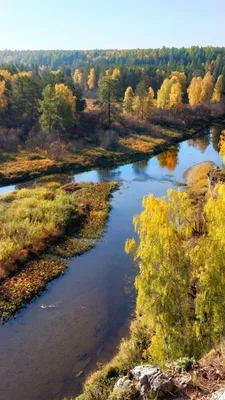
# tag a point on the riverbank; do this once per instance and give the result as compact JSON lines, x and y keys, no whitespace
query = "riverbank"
{"x":198,"y":252}
{"x":48,"y":225}
{"x":139,"y":141}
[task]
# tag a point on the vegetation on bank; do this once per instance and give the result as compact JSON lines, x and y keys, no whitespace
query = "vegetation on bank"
{"x":141,"y":140}
{"x":45,"y":127}
{"x":42,"y":227}
{"x":180,"y":285}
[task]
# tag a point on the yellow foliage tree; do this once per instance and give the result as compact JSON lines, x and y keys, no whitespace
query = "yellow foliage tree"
{"x":163,"y":94}
{"x":3,"y":98}
{"x":218,"y":90}
{"x":195,"y":91}
{"x":78,"y":78}
{"x":207,"y":88}
{"x":163,"y":280}
{"x":181,"y":77}
{"x":66,"y":97}
{"x":149,"y":103}
{"x":128,"y":100}
{"x":176,"y":96}
{"x":5,"y":75}
{"x":116,"y":73}
{"x":92,"y":79}
{"x":181,"y":281}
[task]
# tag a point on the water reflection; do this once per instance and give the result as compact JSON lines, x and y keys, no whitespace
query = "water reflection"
{"x":108,"y":174}
{"x":200,"y":141}
{"x":216,"y":133}
{"x":140,"y":169}
{"x":169,"y":159}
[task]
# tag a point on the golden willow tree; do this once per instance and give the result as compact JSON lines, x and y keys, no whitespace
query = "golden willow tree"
{"x":181,"y":281}
{"x":218,"y":90}
{"x":92,"y":79}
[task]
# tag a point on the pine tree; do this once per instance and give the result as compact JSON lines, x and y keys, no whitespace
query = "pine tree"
{"x":108,"y":94}
{"x":218,"y":90}
{"x":49,"y":110}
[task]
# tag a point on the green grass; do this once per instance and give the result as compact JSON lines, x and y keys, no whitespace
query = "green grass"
{"x":39,"y":229}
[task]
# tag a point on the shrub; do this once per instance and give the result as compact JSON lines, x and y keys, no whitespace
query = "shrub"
{"x":108,"y":139}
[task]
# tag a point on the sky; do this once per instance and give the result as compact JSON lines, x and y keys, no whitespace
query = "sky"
{"x":110,"y":24}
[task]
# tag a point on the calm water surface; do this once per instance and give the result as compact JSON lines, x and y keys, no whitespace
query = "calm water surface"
{"x":42,"y":349}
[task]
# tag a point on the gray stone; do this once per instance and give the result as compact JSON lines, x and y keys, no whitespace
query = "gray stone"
{"x":146,"y":379}
{"x":219,"y":395}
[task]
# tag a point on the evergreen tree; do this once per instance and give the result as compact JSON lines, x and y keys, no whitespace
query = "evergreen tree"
{"x":49,"y":107}
{"x":108,"y":94}
{"x":25,"y":96}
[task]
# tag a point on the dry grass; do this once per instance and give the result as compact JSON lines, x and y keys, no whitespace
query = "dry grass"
{"x":138,"y":140}
{"x":51,"y":223}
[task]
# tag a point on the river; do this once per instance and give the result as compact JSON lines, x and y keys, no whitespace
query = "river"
{"x":43,"y":349}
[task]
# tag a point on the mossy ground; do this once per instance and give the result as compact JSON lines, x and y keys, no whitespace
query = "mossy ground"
{"x":32,"y":276}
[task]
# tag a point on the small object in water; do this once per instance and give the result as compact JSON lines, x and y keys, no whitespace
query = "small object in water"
{"x":49,"y":306}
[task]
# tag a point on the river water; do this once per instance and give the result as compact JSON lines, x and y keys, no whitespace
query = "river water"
{"x":43,"y":349}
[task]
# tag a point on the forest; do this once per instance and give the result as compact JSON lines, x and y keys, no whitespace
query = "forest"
{"x":74,"y":111}
{"x":37,"y":99}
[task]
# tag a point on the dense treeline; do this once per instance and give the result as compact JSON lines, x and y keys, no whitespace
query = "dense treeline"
{"x":42,"y":104}
{"x":193,"y":61}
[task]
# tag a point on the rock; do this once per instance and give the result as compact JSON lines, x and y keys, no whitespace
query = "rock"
{"x":183,"y":381}
{"x":219,"y":395}
{"x":123,"y":383}
{"x":147,"y":379}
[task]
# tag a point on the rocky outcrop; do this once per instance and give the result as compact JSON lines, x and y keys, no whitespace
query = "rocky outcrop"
{"x":145,"y":380}
{"x":219,"y":395}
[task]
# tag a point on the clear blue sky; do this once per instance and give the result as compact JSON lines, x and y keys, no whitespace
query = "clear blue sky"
{"x":86,"y":24}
